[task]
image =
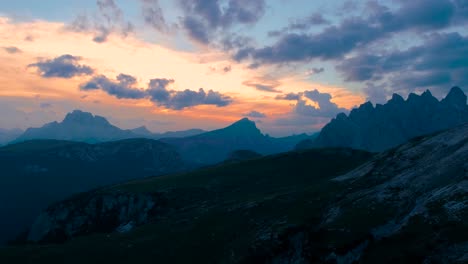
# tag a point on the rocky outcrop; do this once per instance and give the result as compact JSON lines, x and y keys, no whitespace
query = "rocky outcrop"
{"x":95,"y":213}
{"x":385,"y":126}
{"x":414,"y":196}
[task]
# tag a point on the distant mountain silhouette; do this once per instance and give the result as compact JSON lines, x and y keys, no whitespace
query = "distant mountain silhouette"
{"x":142,"y":131}
{"x":179,"y":134}
{"x":145,"y":132}
{"x":215,"y":146}
{"x":384,"y":126}
{"x":85,"y":127}
{"x":7,"y":135}
{"x":39,"y":172}
{"x":78,"y":126}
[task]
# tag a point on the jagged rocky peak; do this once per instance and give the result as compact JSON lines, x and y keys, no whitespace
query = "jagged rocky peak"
{"x":455,"y":97}
{"x":427,"y":93}
{"x":388,"y":125}
{"x":397,"y":99}
{"x":80,"y":117}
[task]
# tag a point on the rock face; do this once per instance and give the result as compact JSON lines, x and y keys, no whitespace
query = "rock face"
{"x":95,"y":213}
{"x":384,"y":126}
{"x":78,"y":126}
{"x":408,"y":204}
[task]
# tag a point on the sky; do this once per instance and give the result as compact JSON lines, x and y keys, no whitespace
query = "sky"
{"x":289,"y":65}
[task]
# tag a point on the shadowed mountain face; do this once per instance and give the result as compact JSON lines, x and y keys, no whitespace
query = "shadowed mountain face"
{"x":405,"y":205}
{"x":385,"y":126}
{"x":78,"y":126}
{"x":36,"y":173}
{"x":215,"y":146}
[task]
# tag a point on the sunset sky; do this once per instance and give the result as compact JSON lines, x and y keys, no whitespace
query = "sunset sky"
{"x":289,"y":65}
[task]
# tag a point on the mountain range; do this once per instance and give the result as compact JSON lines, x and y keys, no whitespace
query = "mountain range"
{"x":195,"y":145}
{"x":85,"y":127}
{"x":144,"y":132}
{"x":385,"y":126}
{"x":216,"y":146}
{"x":39,"y":172}
{"x":328,"y":205}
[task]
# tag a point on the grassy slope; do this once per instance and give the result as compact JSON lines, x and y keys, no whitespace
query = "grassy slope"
{"x":214,"y":215}
{"x":25,"y":191}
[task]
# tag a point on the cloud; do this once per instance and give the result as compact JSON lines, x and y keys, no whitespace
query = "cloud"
{"x":122,"y":88}
{"x":289,"y":96}
{"x":12,"y":50}
{"x":203,"y":20}
{"x":153,"y":15}
{"x":326,"y":108}
{"x":109,"y":19}
{"x":352,"y":33}
{"x":316,"y":19}
{"x":157,"y":91}
{"x":264,"y":84}
{"x":439,"y":61}
{"x":65,"y":66}
{"x":315,"y":71}
{"x":255,"y":114}
{"x":188,"y":98}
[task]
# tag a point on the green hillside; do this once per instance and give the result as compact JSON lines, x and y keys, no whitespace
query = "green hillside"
{"x":213,"y":215}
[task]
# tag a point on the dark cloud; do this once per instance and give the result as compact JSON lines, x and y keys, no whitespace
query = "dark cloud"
{"x":263,"y":84}
{"x":120,"y":89}
{"x":315,"y":71}
{"x":108,"y":20}
{"x":289,"y":96}
{"x":326,"y":108}
{"x":109,"y":10}
{"x":65,"y":66}
{"x":126,"y":79}
{"x":439,"y":61}
{"x":157,"y":92}
{"x":157,"y":89}
{"x":153,"y":15}
{"x":227,"y":69}
{"x":196,"y":30}
{"x":203,"y":20}
{"x":188,"y":98}
{"x":12,"y":50}
{"x":335,"y":41}
{"x":301,"y":24}
{"x":255,"y":114}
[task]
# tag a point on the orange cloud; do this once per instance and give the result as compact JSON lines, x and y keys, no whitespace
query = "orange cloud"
{"x":144,"y":60}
